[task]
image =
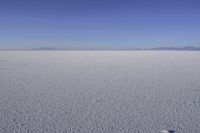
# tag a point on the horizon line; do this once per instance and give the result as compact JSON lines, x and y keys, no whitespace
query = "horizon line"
{"x":186,"y":48}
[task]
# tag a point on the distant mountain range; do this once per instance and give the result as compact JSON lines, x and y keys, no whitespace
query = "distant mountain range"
{"x":178,"y":49}
{"x":44,"y":48}
{"x":187,"y":48}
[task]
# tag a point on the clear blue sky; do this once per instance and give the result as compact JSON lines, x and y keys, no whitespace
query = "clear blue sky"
{"x":99,"y":23}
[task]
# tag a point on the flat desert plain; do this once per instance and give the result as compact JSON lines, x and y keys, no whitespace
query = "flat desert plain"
{"x":99,"y":91}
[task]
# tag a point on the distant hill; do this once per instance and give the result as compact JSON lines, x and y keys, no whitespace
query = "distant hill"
{"x":188,"y":48}
{"x":45,"y":48}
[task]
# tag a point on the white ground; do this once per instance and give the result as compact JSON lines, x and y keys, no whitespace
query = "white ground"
{"x":99,"y":91}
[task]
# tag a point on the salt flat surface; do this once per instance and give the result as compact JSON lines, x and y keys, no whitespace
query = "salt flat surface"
{"x":99,"y":91}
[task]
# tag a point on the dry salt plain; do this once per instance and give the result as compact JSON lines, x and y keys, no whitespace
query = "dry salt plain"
{"x":99,"y":91}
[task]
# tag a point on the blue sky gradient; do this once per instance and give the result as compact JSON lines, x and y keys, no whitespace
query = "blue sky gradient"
{"x":99,"y":24}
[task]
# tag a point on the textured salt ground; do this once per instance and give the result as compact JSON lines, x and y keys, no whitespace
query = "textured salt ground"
{"x":99,"y":91}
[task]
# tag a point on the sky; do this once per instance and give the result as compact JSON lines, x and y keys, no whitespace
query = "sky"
{"x":99,"y":24}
